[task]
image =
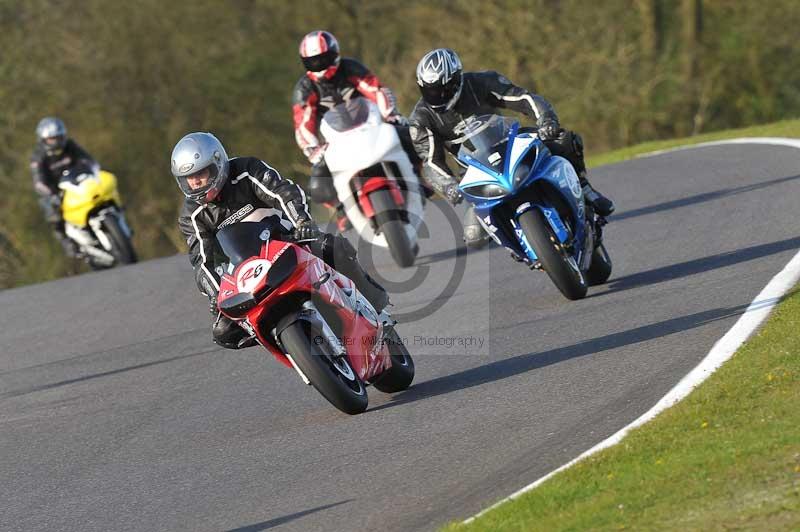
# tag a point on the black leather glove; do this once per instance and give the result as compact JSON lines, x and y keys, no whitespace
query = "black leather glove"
{"x":550,"y":131}
{"x":307,"y":230}
{"x":452,"y":194}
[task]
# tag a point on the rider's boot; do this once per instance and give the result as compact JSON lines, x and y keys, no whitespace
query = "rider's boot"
{"x":69,"y":246}
{"x":602,"y":205}
{"x":475,"y":236}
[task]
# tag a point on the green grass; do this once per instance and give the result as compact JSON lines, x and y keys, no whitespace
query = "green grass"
{"x":786,"y":128}
{"x":725,"y":458}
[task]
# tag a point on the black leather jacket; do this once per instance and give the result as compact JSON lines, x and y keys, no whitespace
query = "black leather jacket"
{"x":482,"y":93}
{"x":254,"y":191}
{"x":46,"y":169}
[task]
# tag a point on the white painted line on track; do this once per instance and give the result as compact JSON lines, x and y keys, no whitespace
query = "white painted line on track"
{"x":745,"y":326}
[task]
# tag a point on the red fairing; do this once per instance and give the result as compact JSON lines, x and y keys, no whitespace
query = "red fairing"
{"x":377,"y":183}
{"x":360,"y":336}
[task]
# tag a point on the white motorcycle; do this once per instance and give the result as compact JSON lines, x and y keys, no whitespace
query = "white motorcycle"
{"x":373,"y":178}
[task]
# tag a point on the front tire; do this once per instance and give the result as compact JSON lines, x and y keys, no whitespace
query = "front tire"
{"x":401,"y":374}
{"x":332,"y":377}
{"x":393,"y":228}
{"x":121,"y":246}
{"x":553,"y":257}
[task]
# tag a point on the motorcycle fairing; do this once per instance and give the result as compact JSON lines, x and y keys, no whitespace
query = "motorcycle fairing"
{"x":361,"y":330}
{"x":526,"y":160}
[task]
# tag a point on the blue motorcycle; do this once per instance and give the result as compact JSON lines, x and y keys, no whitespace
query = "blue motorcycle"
{"x":531,"y":202}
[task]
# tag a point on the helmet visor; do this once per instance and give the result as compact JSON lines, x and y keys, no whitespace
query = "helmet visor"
{"x":196,"y":185}
{"x":437,"y":95}
{"x":54,"y":144}
{"x":318,"y":63}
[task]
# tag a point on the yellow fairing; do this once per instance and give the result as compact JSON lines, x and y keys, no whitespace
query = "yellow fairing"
{"x":80,"y":198}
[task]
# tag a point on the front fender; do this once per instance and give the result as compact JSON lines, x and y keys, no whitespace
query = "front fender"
{"x":552,"y":217}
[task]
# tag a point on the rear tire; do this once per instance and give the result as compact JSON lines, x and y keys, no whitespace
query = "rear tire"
{"x":401,"y":374}
{"x":121,"y":247}
{"x":600,"y":269}
{"x":329,"y":377}
{"x":570,"y":282}
{"x":393,"y":228}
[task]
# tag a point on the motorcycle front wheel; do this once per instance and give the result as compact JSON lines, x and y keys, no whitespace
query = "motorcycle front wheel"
{"x":554,"y":258}
{"x":331,"y":375}
{"x":121,"y":246}
{"x":392,"y":227}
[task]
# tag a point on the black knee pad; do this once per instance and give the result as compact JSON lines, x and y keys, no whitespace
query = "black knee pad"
{"x":320,"y":188}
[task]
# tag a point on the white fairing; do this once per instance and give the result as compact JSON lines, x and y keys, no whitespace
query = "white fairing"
{"x":366,"y":145}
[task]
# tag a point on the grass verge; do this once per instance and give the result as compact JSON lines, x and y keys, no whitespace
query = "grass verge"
{"x":786,"y":128}
{"x":725,"y":458}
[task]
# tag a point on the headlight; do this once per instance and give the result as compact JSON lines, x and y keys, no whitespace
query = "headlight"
{"x":486,"y":191}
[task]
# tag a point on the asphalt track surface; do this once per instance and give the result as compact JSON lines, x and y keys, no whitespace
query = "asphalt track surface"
{"x":118,"y":413}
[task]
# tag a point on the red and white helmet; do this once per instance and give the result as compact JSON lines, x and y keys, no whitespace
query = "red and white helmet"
{"x":319,"y":51}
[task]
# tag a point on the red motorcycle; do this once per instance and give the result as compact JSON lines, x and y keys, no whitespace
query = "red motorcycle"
{"x":309,"y":316}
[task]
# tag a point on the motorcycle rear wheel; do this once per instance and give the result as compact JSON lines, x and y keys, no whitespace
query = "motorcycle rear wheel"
{"x":392,"y":227}
{"x":401,"y":374}
{"x":331,"y":376}
{"x":600,"y":269}
{"x":553,"y":257}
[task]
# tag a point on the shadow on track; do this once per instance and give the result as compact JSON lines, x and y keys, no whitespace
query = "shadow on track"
{"x":698,"y":198}
{"x":272,"y":523}
{"x":692,"y":267}
{"x":43,"y":387}
{"x":503,"y":369}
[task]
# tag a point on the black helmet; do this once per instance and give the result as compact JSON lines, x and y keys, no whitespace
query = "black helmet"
{"x":439,"y":76}
{"x":319,"y":51}
{"x":51,"y":133}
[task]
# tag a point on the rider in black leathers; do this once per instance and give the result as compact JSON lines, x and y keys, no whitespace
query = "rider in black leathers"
{"x":55,"y":153}
{"x":449,"y":96}
{"x":247,"y":189}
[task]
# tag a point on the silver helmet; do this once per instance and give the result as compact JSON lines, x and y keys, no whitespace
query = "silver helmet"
{"x":51,"y":133}
{"x":194,"y":153}
{"x":439,"y":76}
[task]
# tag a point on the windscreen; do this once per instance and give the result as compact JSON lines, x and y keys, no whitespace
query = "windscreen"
{"x":243,"y":240}
{"x":485,"y":139}
{"x":347,"y":115}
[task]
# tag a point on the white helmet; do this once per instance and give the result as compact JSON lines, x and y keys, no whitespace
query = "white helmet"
{"x":196,"y":152}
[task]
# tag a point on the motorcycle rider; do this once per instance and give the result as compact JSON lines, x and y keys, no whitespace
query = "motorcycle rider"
{"x":450,"y":96}
{"x":55,"y":153}
{"x":329,"y":81}
{"x":219,"y":191}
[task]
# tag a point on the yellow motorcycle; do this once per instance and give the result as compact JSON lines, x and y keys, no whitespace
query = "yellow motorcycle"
{"x":94,"y":219}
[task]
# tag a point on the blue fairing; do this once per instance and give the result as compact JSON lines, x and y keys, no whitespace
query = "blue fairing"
{"x":488,"y":167}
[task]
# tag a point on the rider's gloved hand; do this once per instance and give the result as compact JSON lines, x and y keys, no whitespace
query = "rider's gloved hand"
{"x":396,"y":119}
{"x":452,"y":194}
{"x":307,"y":230}
{"x":316,"y":154}
{"x":550,"y":131}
